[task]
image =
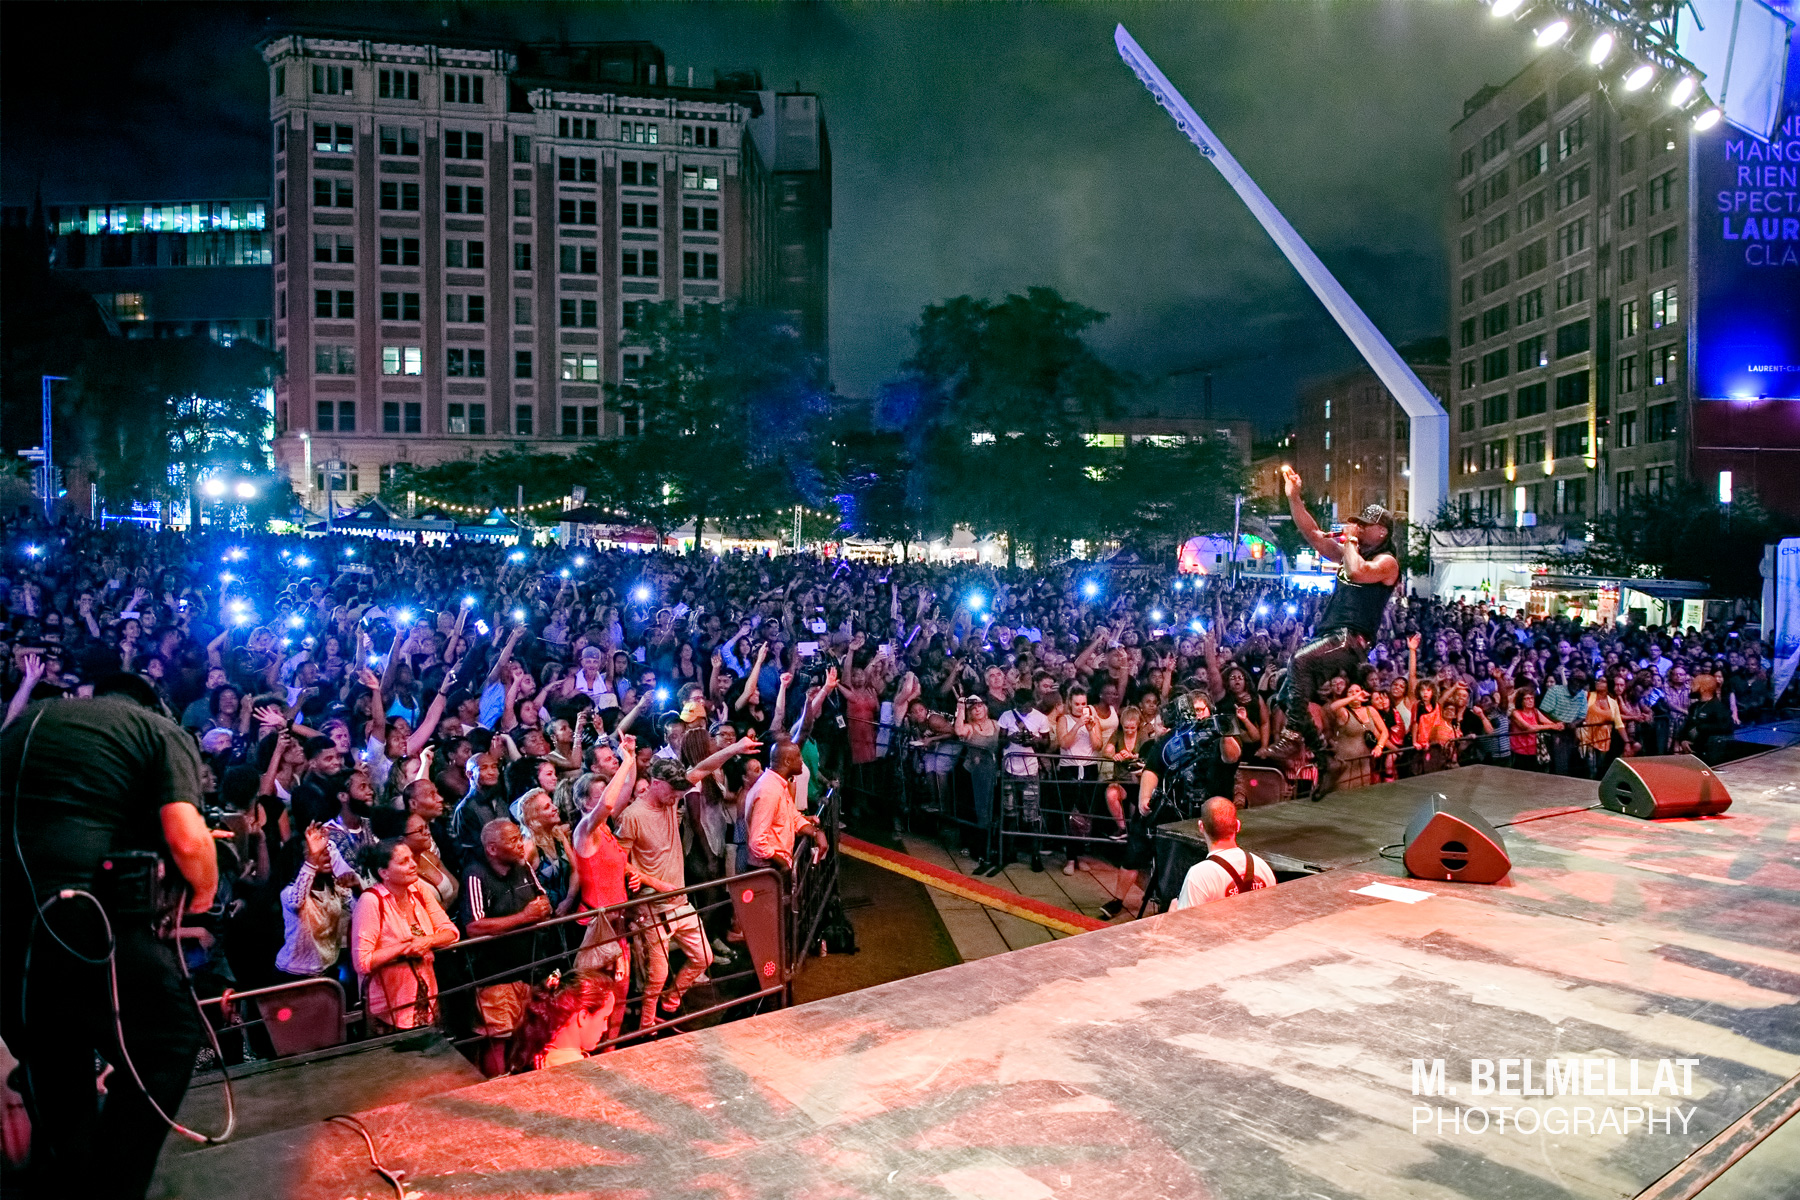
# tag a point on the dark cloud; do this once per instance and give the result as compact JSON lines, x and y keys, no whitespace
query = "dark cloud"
{"x":979,"y":148}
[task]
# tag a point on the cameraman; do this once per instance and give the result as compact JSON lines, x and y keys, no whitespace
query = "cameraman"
{"x":83,"y":781}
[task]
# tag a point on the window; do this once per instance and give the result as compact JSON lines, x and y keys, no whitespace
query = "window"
{"x":521,"y":310}
{"x":1628,"y":206}
{"x":346,"y":416}
{"x":399,"y":306}
{"x":1571,"y":497}
{"x":1532,"y":402}
{"x":581,"y":420}
{"x":521,"y":256}
{"x":698,"y":135}
{"x":578,"y":170}
{"x":1622,"y":490}
{"x":1662,"y":193}
{"x":463,"y":89}
{"x":453,"y":362}
{"x":636,"y":174}
{"x":1534,"y":114}
{"x":1467,"y":246}
{"x":1467,"y":331}
{"x":1571,"y":288}
{"x":1468,"y":163}
{"x":1659,"y":423}
{"x":453,"y":252}
{"x":569,"y":314}
{"x":329,"y":192}
{"x":709,"y":265}
{"x":702,"y":219}
{"x":1495,"y":321}
{"x":461,"y":199}
{"x":522,"y":420}
{"x":580,"y":368}
{"x":1493,"y":409}
{"x":333,"y":248}
{"x":334,"y":359}
{"x":1659,"y":480}
{"x":565,"y":169}
{"x":1627,"y":428}
{"x":643,"y":132}
{"x":1493,"y":144}
{"x":1530,"y":304}
{"x":1494,"y":277}
{"x":1571,"y":440}
{"x":1571,"y":390}
{"x":697,"y":178}
{"x":1494,"y":188}
{"x":1628,"y":376}
{"x":521,"y":364}
{"x":576,"y":212}
{"x":1534,"y":258}
{"x":521,"y":148}
{"x":1493,"y":454}
{"x":1468,"y":289}
{"x":1571,"y":138}
{"x":477,"y":364}
{"x":1572,"y":238}
{"x":400,"y":140}
{"x":397,"y":85}
{"x":1468,"y":460}
{"x":343,"y":309}
{"x":1530,"y":448}
{"x":1466,"y":419}
{"x":401,"y":197}
{"x":1494,"y":232}
{"x":578,"y":127}
{"x":1466,"y":376}
{"x":1628,"y":263}
{"x":401,"y":360}
{"x":590,"y":314}
{"x":638,"y":262}
{"x":1628,"y":318}
{"x":1531,"y":210}
{"x":465,"y":418}
{"x":1628,"y":154}
{"x":521,"y":202}
{"x":634,"y":314}
{"x":1573,"y":187}
{"x":1494,"y":365}
{"x":470,"y":308}
{"x":1328,"y":439}
{"x":1534,"y":162}
{"x":333,"y":81}
{"x":1664,"y":309}
{"x":460,"y":143}
{"x":1530,"y":354}
{"x":390,"y":416}
{"x":332,"y":139}
{"x":1572,"y":338}
{"x":579,"y":260}
{"x":1665,"y":366}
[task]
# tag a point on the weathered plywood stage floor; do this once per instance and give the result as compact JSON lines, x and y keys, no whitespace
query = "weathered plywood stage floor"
{"x":1261,"y":1047}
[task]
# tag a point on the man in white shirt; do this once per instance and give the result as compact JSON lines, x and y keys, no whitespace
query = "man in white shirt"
{"x":1027,"y":734}
{"x":1230,"y":869}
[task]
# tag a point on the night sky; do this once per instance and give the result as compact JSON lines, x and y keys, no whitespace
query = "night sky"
{"x":979,"y":148}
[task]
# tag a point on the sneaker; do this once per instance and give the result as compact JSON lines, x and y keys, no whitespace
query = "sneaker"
{"x":1037,"y":862}
{"x":1068,"y":866}
{"x":722,"y":948}
{"x":1112,"y":908}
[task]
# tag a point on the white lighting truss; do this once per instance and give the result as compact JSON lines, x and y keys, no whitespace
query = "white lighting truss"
{"x":1630,"y":44}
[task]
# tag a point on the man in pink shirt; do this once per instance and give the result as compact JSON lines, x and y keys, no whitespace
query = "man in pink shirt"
{"x":773,"y":818}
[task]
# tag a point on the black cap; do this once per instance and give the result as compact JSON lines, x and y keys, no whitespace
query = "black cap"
{"x":1374,"y":514}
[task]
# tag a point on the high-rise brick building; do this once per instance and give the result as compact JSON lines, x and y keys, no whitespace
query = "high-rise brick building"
{"x":463,"y":236}
{"x":1353,"y":441}
{"x":1569,"y":294}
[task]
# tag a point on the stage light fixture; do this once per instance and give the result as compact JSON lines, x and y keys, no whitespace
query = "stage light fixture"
{"x":214,"y":488}
{"x":1553,"y":33}
{"x":246,"y":491}
{"x":1683,"y":91}
{"x":1505,"y":8}
{"x":1601,"y":49}
{"x":1708,"y":119}
{"x":1639,"y":77}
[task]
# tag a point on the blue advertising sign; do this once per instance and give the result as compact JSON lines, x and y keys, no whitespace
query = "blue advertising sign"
{"x":1747,"y":313}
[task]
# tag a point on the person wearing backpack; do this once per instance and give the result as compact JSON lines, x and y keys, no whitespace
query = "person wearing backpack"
{"x":1229,"y":870}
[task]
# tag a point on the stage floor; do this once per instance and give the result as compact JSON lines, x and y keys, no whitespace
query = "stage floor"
{"x":1260,"y":1047}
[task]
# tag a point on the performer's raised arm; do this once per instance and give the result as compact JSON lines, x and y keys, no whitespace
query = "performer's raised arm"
{"x":1315,"y":537}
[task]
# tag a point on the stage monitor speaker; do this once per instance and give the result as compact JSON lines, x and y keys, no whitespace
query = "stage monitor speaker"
{"x":1668,"y":785}
{"x":1446,"y":840}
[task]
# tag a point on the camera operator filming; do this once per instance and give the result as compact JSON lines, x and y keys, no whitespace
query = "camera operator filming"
{"x":97,"y":795}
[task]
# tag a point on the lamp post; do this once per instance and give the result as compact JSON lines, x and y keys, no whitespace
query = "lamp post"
{"x":48,"y":468}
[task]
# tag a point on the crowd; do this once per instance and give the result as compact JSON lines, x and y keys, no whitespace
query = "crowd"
{"x":407,"y":746}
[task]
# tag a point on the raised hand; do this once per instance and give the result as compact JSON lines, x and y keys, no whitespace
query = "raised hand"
{"x":368,"y":679}
{"x":270,"y":716}
{"x":1290,"y":480}
{"x":318,"y":847}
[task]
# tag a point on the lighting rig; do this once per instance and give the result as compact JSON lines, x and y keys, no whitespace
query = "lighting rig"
{"x":1631,"y":44}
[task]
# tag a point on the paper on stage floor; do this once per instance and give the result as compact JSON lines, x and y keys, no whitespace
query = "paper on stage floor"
{"x":1389,"y":891}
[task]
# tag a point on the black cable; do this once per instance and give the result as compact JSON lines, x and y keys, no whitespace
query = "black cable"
{"x":1391,"y":846}
{"x":1561,"y":812}
{"x":394,"y":1178}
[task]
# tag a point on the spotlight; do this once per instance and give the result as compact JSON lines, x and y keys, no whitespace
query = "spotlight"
{"x":1639,"y":77}
{"x":246,"y":491}
{"x":1090,"y":589}
{"x":641,"y":595}
{"x":1601,"y":49}
{"x":1505,"y":8}
{"x":1683,"y":91}
{"x":1707,"y":119}
{"x":1553,"y":33}
{"x":213,"y":487}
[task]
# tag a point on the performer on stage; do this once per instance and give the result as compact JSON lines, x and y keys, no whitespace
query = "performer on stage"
{"x":1366,"y":576}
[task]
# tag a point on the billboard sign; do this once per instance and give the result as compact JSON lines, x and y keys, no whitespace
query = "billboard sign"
{"x":1747,"y":217}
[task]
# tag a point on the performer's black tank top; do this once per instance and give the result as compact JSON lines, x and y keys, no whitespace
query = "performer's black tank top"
{"x":1356,"y":606}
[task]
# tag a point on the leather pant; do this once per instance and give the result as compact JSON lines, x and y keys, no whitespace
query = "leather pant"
{"x":1332,"y":652}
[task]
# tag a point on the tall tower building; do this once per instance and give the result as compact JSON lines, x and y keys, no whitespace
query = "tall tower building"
{"x":464,"y":237}
{"x":1570,"y":297}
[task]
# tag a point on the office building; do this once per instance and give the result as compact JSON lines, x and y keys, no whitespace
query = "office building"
{"x":1569,"y":295}
{"x":465,"y":236}
{"x":1353,"y":443}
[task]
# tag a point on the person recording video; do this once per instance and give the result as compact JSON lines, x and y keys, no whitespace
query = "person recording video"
{"x":89,"y":789}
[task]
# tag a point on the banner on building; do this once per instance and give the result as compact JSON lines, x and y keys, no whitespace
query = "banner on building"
{"x":1786,"y":617}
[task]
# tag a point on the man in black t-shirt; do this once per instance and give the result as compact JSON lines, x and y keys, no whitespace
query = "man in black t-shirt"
{"x":83,"y":781}
{"x":501,"y":894}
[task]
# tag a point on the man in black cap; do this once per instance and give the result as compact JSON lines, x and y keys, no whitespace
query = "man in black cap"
{"x":1366,"y":576}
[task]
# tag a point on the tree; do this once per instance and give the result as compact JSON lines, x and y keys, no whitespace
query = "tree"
{"x":1160,"y":495}
{"x":731,"y":414}
{"x":1684,"y":533}
{"x":492,"y":480}
{"x":1008,"y":392}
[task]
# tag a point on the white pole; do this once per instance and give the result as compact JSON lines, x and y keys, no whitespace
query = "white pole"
{"x":1430,"y":454}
